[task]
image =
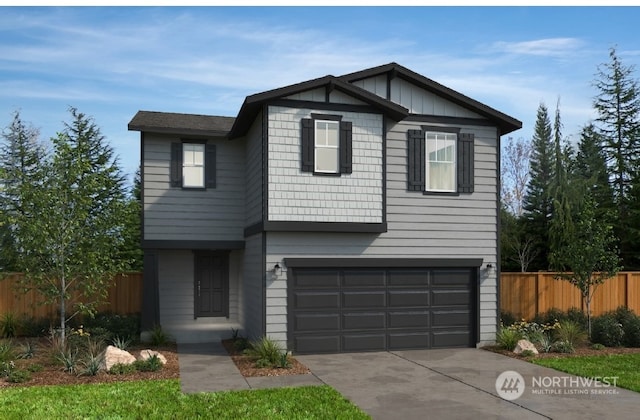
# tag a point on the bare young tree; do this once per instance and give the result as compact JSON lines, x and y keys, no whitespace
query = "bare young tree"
{"x":514,"y":167}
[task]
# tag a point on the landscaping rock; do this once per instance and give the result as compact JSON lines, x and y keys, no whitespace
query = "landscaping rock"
{"x":525,"y":345}
{"x":146,"y":354}
{"x":113,"y":355}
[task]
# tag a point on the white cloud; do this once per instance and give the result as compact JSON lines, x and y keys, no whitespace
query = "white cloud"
{"x":549,"y":47}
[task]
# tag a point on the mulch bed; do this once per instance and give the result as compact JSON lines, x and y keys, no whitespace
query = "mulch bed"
{"x":585,"y":350}
{"x":52,"y":374}
{"x":247,"y":368}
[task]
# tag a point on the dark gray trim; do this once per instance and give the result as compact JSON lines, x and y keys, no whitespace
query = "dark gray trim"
{"x":141,"y":188}
{"x":180,"y":244}
{"x":265,"y":163}
{"x":192,"y":140}
{"x":444,"y":193}
{"x":476,"y":310}
{"x":225,"y":281}
{"x":505,"y":122}
{"x":384,"y":170}
{"x":383,"y":262}
{"x":254,"y":229}
{"x":150,"y":310}
{"x":498,"y":230}
{"x":334,"y":227}
{"x":300,"y":104}
{"x":263,"y":270}
{"x":326,"y":117}
{"x":438,"y":129}
{"x":436,"y":119}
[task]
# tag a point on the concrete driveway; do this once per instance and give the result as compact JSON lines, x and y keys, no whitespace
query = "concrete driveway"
{"x":461,"y":384}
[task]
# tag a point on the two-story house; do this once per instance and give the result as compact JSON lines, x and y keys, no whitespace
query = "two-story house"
{"x":339,"y":214}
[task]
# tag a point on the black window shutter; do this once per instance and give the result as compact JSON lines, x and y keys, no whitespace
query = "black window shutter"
{"x":346,"y":148}
{"x":176,"y":165}
{"x":416,"y":160}
{"x":210,"y":166}
{"x":307,"y":145}
{"x":465,"y":162}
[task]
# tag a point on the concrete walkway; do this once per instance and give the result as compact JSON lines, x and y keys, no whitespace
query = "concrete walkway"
{"x":420,"y":384}
{"x":207,"y":367}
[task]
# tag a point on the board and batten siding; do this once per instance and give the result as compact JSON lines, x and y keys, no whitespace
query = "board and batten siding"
{"x":414,"y":98}
{"x":304,"y":197}
{"x":182,"y":214}
{"x":419,"y":226}
{"x":254,"y":173}
{"x":320,"y":94}
{"x":252,"y":281}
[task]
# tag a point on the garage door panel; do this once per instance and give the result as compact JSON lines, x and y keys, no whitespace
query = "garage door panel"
{"x":364,"y":299}
{"x":317,"y":344}
{"x":408,"y":298}
{"x":418,"y":319}
{"x":317,"y":322}
{"x":317,"y":300}
{"x":364,"y":342}
{"x":451,"y":339}
{"x":450,"y":319}
{"x":450,"y":277}
{"x":318,"y":278}
{"x":374,"y":278}
{"x":403,"y":341}
{"x":450,"y":297}
{"x":408,"y":278}
{"x":363,"y":321}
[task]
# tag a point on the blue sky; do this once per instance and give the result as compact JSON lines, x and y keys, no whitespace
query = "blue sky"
{"x":111,"y":62}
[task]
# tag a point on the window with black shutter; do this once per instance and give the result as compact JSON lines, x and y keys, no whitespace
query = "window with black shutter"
{"x":440,"y":160}
{"x":193,"y":165}
{"x":326,"y":145}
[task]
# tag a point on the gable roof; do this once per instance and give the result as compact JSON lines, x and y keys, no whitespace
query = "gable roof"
{"x":252,"y":104}
{"x":505,"y":123}
{"x":175,"y":123}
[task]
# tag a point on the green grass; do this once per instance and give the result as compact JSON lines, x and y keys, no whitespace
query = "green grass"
{"x":163,"y":400}
{"x":624,"y":366}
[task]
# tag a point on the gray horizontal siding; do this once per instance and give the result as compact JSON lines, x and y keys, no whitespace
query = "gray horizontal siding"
{"x":177,"y":214}
{"x":252,"y":278}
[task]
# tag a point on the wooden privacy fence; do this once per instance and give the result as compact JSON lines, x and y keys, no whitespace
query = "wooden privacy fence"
{"x":125,"y":297}
{"x":528,"y":294}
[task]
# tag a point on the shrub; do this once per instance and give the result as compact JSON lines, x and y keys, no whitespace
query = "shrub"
{"x":624,"y":315}
{"x":570,"y":332}
{"x":549,"y":317}
{"x":598,"y":346}
{"x":240,"y":344}
{"x":507,"y":318}
{"x":265,"y":349}
{"x":19,"y":376}
{"x":527,"y":353}
{"x":158,"y":336}
{"x":508,"y":338}
{"x":576,"y":315}
{"x":121,"y":343}
{"x":152,"y":364}
{"x":125,"y":326}
{"x":69,"y":360}
{"x":546,"y":343}
{"x":6,"y":368}
{"x":284,"y":363}
{"x":31,"y":327}
{"x":7,"y":352}
{"x":35,"y":367}
{"x":9,"y":325}
{"x":122,"y":369}
{"x":91,"y":365}
{"x":563,"y":346}
{"x":28,"y":350}
{"x":606,"y":330}
{"x":631,"y":330}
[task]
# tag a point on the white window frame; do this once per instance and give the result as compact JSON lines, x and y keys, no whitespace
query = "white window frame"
{"x":441,"y":137}
{"x":191,"y":166}
{"x":317,"y":146}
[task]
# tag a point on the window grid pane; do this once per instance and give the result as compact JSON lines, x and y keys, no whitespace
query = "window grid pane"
{"x":441,"y":161}
{"x":193,"y":165}
{"x":327,"y":141}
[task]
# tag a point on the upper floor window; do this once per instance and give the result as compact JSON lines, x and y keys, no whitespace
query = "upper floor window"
{"x":326,"y":145}
{"x":193,"y":165}
{"x":440,"y":160}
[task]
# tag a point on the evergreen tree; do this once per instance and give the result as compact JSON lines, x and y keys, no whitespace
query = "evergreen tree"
{"x":20,"y":154}
{"x":538,"y":200}
{"x":131,"y":252}
{"x":70,"y":233}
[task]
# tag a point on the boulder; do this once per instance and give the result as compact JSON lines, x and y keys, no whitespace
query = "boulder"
{"x":145,"y":354}
{"x":113,"y":355}
{"x":525,"y":345}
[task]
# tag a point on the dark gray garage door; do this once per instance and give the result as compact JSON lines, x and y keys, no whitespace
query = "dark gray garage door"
{"x":356,"y":309}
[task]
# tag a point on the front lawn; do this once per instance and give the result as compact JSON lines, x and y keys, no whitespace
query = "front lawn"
{"x":163,"y":399}
{"x":623,"y":366}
